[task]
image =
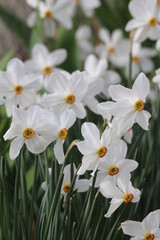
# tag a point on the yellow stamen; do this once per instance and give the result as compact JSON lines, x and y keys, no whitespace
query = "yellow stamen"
{"x":63,"y":133}
{"x":66,"y":187}
{"x":48,"y":14}
{"x":135,"y":59}
{"x":113,"y":170}
{"x":18,"y":89}
{"x":47,"y":70}
{"x":111,"y":50}
{"x":102,"y":151}
{"x":70,"y":99}
{"x":139,"y":105}
{"x":152,"y":22}
{"x":28,"y":133}
{"x":149,"y":236}
{"x":128,"y":198}
{"x":158,"y":2}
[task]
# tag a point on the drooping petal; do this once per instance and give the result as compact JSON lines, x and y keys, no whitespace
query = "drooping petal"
{"x":15,"y":147}
{"x":142,"y":119}
{"x":58,"y":151}
{"x":115,"y":203}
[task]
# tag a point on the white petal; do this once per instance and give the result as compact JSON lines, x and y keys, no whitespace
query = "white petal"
{"x":15,"y":147}
{"x":91,"y":133}
{"x":115,"y":203}
{"x":109,"y":190}
{"x":118,"y":92}
{"x":67,"y":119}
{"x":141,"y":87}
{"x":58,"y":151}
{"x":142,"y":119}
{"x":36,"y":144}
{"x":88,"y":161}
{"x":57,"y":57}
{"x":133,"y":228}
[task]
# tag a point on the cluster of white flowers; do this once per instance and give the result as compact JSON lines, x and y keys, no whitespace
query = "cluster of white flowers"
{"x":59,"y":11}
{"x":45,"y":100}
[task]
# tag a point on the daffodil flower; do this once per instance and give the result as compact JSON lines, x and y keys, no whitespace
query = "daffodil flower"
{"x":121,"y":192}
{"x":145,"y":20}
{"x":148,"y":229}
{"x":31,"y":127}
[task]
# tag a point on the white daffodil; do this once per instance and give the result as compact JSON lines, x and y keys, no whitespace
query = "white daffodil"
{"x":65,"y":121}
{"x":141,"y":60}
{"x":148,"y":229}
{"x":115,"y":164}
{"x":114,"y":47}
{"x":68,"y":93}
{"x":130,"y":103}
{"x":84,"y":37}
{"x":87,"y":7}
{"x":145,"y":20}
{"x":45,"y":62}
{"x":31,"y":127}
{"x":156,"y":79}
{"x":55,"y":11}
{"x":122,"y":192}
{"x":94,"y":148}
{"x":81,"y":185}
{"x":17,"y":87}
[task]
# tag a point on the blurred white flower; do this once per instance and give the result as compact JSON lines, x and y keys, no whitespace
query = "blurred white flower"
{"x":130,"y":103}
{"x":115,"y":163}
{"x":31,"y":127}
{"x":45,"y":62}
{"x":68,"y":93}
{"x":141,"y":59}
{"x":156,"y":79}
{"x":87,"y":7}
{"x":55,"y":11}
{"x":114,"y":47}
{"x":17,"y":87}
{"x":121,"y":192}
{"x":83,"y":37}
{"x":81,"y":185}
{"x":145,"y":20}
{"x":148,"y":229}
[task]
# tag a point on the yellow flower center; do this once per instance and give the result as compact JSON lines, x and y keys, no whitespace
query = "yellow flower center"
{"x":128,"y":198}
{"x":111,"y":50}
{"x":70,"y":99}
{"x":158,"y":2}
{"x":149,"y":236}
{"x":63,"y":133}
{"x":102,"y":152}
{"x":47,"y":70}
{"x":18,"y":89}
{"x":152,"y":22}
{"x":66,"y":187}
{"x":135,"y":59}
{"x":139,"y":105}
{"x":28,"y":133}
{"x":113,"y":170}
{"x":48,"y":14}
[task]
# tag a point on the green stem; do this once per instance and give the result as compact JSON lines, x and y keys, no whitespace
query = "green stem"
{"x":32,"y":200}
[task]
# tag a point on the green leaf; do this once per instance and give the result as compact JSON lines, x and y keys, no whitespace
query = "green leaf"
{"x":16,"y":25}
{"x":66,"y":39}
{"x":37,"y":32}
{"x":5,"y":60}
